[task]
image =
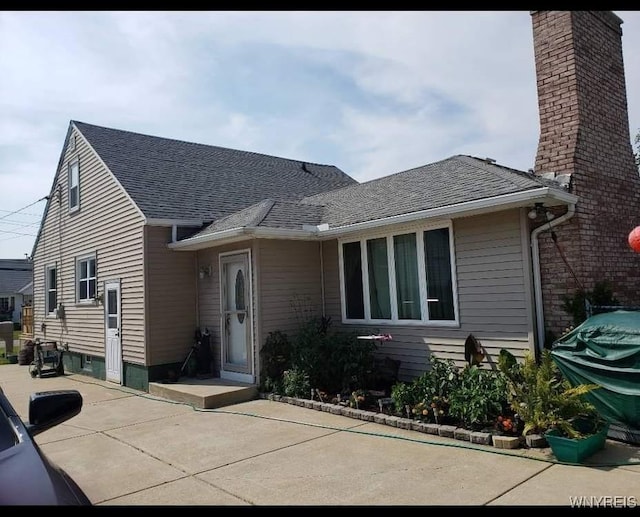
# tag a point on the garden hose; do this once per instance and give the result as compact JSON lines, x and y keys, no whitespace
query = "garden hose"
{"x":460,"y":445}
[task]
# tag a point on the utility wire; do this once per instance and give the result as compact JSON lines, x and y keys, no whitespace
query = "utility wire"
{"x":23,"y":208}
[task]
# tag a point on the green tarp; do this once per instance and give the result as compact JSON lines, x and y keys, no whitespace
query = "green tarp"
{"x":605,"y":350}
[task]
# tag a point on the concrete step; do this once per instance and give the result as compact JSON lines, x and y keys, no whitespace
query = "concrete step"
{"x":206,"y":393}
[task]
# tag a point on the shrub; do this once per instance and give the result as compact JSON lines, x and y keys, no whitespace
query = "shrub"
{"x":479,"y":398}
{"x":275,"y":359}
{"x":542,"y":398}
{"x":575,"y":304}
{"x":295,"y":383}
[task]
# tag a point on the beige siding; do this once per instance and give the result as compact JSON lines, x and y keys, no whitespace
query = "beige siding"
{"x":493,"y":296}
{"x":290,"y":288}
{"x":109,"y":225}
{"x":209,"y":294}
{"x":171,"y":279}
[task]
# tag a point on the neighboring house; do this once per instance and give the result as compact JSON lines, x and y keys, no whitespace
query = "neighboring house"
{"x":146,"y":239}
{"x":16,"y":288}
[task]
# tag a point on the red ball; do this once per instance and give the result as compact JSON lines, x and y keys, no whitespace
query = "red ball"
{"x":634,"y":239}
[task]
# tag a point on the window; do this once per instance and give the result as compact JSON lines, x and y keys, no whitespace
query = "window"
{"x":399,"y":278}
{"x":51,"y":289}
{"x":4,"y":304}
{"x":353,"y":280}
{"x":74,"y":186}
{"x":86,"y":279}
{"x":86,"y":362}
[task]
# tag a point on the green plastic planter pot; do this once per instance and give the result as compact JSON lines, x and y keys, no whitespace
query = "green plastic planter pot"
{"x":576,"y":450}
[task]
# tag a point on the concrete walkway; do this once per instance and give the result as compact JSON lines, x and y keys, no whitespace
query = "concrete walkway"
{"x":129,"y":448}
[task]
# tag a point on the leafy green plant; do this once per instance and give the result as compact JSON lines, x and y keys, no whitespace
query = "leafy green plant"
{"x":479,"y":397}
{"x":543,"y":399}
{"x":601,"y":294}
{"x":427,"y":396}
{"x":295,"y":383}
{"x":275,"y":359}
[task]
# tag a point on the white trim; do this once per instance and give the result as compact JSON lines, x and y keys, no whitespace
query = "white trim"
{"x":468,"y":208}
{"x":237,"y":376}
{"x":77,"y":260}
{"x":151,"y":221}
{"x":48,"y":311}
{"x":75,"y":161}
{"x":109,"y":170}
{"x":202,"y":241}
{"x":422,"y":280}
{"x":527,"y":270}
{"x":492,"y":204}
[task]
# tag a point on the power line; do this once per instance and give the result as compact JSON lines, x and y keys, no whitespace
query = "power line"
{"x":23,"y":208}
{"x":18,"y":233}
{"x":23,"y":213}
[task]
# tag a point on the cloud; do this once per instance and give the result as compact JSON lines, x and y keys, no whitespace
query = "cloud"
{"x":373,"y":92}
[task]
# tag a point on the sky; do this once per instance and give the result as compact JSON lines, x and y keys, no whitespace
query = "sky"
{"x":373,"y":93}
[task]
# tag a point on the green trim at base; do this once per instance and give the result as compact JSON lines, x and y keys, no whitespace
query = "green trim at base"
{"x":134,"y":376}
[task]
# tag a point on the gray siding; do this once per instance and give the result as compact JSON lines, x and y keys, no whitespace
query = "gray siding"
{"x":109,"y":225}
{"x":493,"y":296}
{"x":171,"y":279}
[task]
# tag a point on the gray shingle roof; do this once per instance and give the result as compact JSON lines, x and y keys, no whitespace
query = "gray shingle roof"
{"x":457,"y":179}
{"x":172,"y":179}
{"x":14,"y":275}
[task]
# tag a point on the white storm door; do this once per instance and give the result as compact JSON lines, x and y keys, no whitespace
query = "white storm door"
{"x":113,"y":348}
{"x":235,"y":325}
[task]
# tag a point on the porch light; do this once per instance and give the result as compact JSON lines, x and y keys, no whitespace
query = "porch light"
{"x":205,"y":271}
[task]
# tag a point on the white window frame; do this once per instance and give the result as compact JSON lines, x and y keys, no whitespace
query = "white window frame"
{"x":8,"y":302}
{"x":422,"y":278}
{"x":79,"y":260}
{"x":73,"y":182}
{"x":50,"y":311}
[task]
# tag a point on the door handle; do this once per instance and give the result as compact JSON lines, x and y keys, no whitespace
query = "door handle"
{"x":117,"y":333}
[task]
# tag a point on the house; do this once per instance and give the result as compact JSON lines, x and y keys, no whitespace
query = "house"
{"x":16,"y":288}
{"x":146,"y":239}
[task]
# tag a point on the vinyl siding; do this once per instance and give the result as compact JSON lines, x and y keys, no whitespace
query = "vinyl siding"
{"x":109,"y":225}
{"x":290,"y":287}
{"x":209,"y":295}
{"x":493,"y":296}
{"x":171,"y":279}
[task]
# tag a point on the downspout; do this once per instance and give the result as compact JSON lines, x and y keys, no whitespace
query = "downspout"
{"x":322,"y":281}
{"x":535,"y":257}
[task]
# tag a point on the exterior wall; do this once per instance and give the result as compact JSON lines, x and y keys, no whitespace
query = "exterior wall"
{"x":584,"y":132}
{"x":494,"y":296}
{"x":289,"y":286}
{"x":171,"y":309}
{"x":111,"y":226}
{"x":209,"y":296}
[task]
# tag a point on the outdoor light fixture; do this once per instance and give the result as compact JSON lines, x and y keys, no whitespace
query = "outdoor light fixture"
{"x":205,"y":271}
{"x":539,"y":210}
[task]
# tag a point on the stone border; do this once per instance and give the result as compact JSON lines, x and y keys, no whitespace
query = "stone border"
{"x":447,"y":431}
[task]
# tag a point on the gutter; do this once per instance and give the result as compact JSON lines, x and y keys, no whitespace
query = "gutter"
{"x":537,"y":283}
{"x":502,"y":202}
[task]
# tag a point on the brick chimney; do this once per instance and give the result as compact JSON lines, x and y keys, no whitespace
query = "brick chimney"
{"x":584,"y":132}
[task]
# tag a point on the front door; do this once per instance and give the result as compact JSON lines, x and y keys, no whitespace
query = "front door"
{"x":235,"y":325}
{"x":113,"y":348}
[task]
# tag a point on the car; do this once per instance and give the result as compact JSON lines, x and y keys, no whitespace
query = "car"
{"x":27,"y":476}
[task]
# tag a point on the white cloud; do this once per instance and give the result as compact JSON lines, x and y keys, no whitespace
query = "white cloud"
{"x":371,"y":92}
